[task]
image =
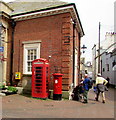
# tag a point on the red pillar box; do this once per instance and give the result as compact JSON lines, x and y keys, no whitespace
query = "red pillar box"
{"x":40,"y":78}
{"x":57,"y":92}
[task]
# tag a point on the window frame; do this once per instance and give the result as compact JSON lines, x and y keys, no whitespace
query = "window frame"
{"x":29,"y":46}
{"x":107,"y":67}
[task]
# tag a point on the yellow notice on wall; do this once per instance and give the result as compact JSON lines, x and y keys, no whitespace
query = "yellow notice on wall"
{"x":17,"y":75}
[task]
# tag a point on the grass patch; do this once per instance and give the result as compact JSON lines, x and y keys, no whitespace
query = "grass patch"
{"x":29,"y":96}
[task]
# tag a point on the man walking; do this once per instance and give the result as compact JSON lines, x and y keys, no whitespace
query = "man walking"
{"x":100,"y":84}
{"x":86,"y":88}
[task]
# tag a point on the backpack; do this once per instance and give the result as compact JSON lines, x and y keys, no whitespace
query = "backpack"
{"x":90,"y":84}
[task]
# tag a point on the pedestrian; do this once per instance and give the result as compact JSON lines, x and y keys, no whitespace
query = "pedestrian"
{"x":86,"y":88}
{"x":100,"y":84}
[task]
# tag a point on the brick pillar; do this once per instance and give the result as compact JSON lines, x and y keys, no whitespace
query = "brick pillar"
{"x":66,"y":51}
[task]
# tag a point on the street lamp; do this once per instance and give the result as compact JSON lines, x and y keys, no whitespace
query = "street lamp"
{"x":83,"y":48}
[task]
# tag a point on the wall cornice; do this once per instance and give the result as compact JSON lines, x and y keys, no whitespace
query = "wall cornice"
{"x":49,"y":12}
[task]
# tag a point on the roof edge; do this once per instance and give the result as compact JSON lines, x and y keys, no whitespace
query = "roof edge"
{"x":59,"y":6}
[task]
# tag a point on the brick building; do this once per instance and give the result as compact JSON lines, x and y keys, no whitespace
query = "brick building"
{"x":41,"y":30}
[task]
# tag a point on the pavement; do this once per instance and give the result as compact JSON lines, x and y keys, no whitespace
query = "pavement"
{"x":18,"y":106}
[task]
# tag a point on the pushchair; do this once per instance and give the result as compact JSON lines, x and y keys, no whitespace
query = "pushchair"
{"x":77,"y":93}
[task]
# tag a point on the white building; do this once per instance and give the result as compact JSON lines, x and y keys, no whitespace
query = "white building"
{"x":107,"y":57}
{"x":108,"y":66}
{"x":85,"y":68}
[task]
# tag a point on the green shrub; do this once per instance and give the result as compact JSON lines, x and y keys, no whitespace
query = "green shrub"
{"x":12,"y":89}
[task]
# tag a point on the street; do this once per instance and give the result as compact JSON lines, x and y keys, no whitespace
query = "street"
{"x":18,"y":106}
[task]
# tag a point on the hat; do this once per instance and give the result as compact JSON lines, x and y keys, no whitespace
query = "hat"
{"x":99,"y":74}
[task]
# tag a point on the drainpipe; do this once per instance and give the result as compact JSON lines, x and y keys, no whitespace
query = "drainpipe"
{"x":13,"y":24}
{"x":79,"y":53}
{"x":74,"y":24}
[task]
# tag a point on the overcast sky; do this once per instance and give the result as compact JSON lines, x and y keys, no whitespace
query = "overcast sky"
{"x":91,"y":12}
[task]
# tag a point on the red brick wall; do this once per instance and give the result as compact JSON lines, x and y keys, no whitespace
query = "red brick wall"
{"x":51,"y":31}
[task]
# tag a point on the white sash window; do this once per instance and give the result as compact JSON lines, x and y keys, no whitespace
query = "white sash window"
{"x":31,"y":52}
{"x":31,"y":55}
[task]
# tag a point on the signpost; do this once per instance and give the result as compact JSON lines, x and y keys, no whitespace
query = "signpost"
{"x":1,"y":52}
{"x":1,"y":49}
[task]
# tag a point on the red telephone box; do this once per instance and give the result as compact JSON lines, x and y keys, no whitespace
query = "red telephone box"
{"x":57,"y":92}
{"x":40,"y":78}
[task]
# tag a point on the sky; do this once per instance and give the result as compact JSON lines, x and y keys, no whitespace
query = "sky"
{"x":91,"y":12}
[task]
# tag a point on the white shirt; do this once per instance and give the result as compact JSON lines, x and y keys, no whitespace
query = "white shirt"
{"x":101,"y":80}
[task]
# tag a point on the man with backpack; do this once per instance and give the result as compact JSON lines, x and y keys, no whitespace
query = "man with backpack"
{"x":86,"y":88}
